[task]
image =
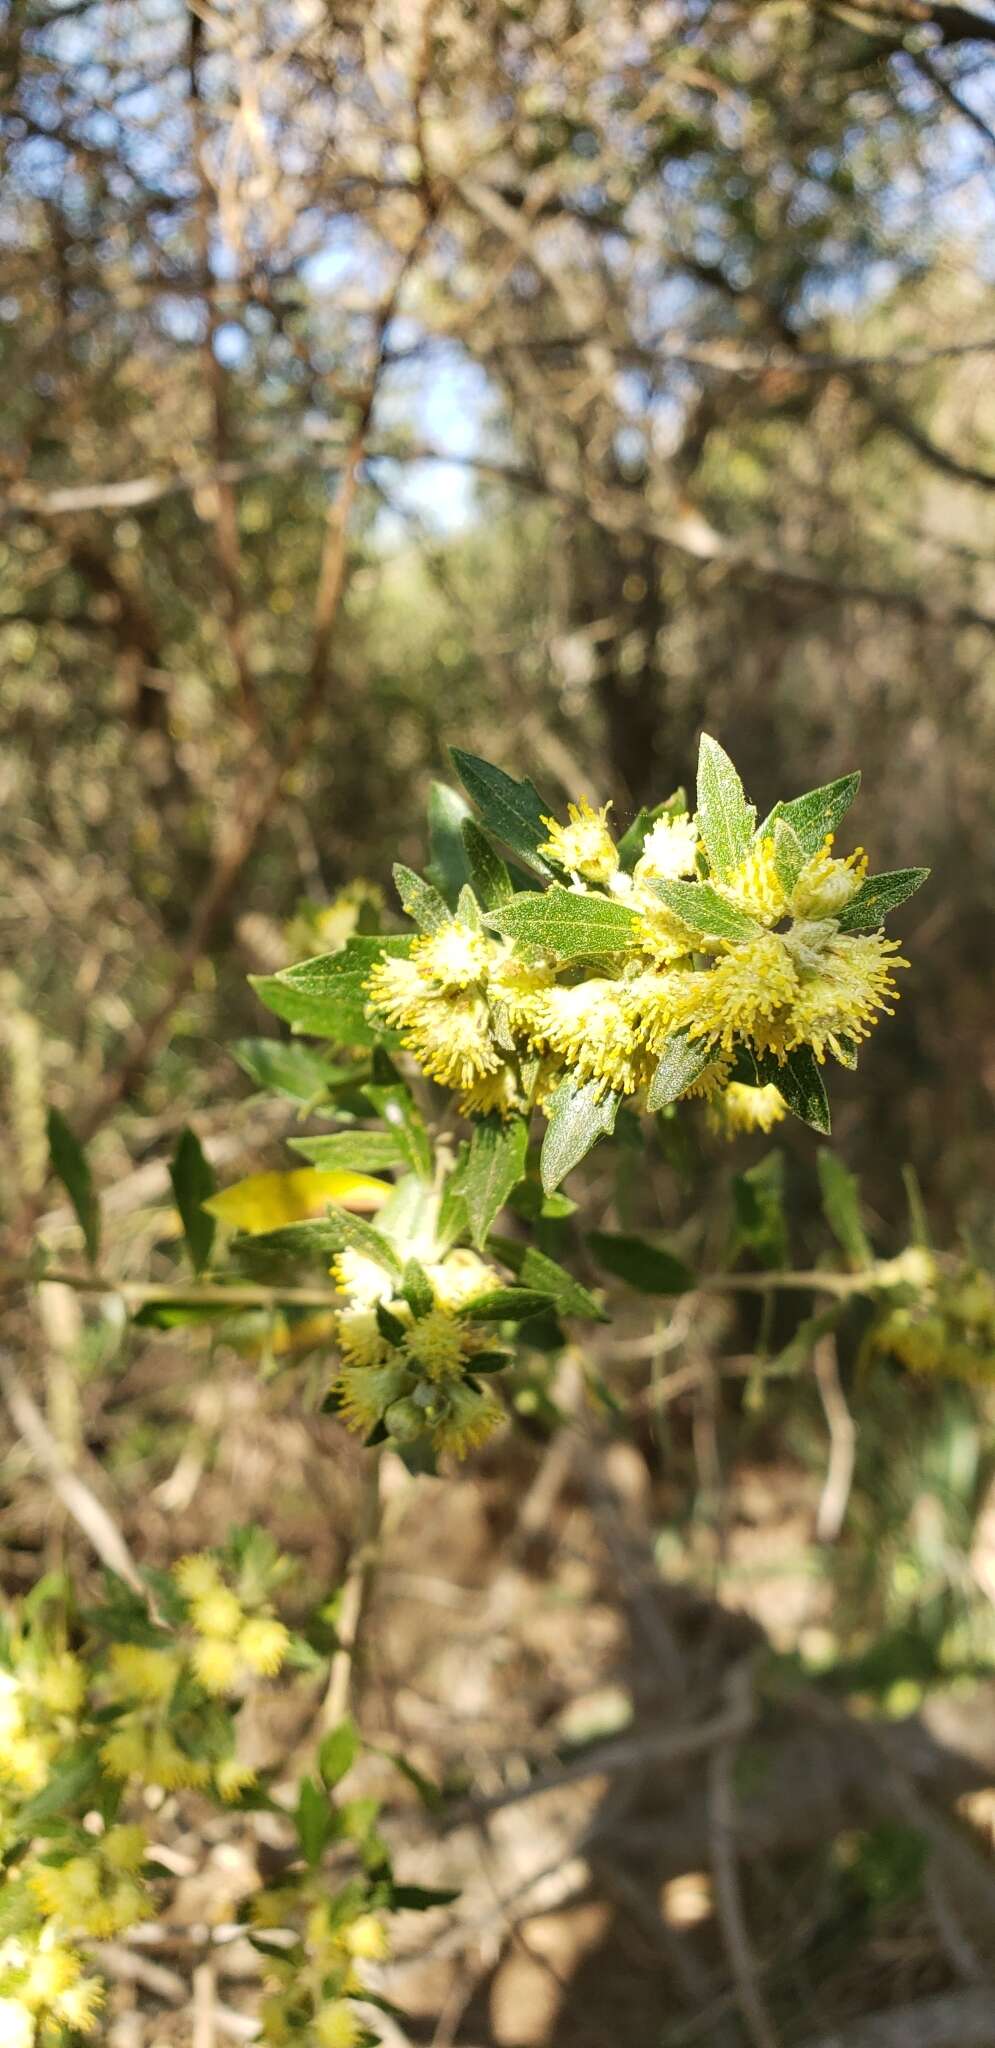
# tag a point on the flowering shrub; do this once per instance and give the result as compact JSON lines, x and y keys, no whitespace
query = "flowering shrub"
{"x":697,"y":958}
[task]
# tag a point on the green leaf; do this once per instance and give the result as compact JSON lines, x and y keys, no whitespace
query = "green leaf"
{"x":879,"y":895}
{"x":789,"y":854}
{"x":562,"y":922}
{"x":505,"y":1305}
{"x":448,"y":867}
{"x":338,"y":1752}
{"x":725,"y":819}
{"x":69,"y":1162}
{"x":193,"y":1183}
{"x":417,"y":1288}
{"x":60,"y":1799}
{"x":390,"y":1327}
{"x":356,"y":1235}
{"x":758,"y":1204}
{"x":641,"y":1265}
{"x":419,"y":901}
{"x":326,"y":996}
{"x":538,"y":1270}
{"x":293,"y":1070}
{"x":395,"y":1104}
{"x":418,"y":1898}
{"x":489,"y":877}
{"x":817,"y":813}
{"x":578,"y":1117}
{"x":801,"y":1084}
{"x":701,"y":906}
{"x":314,"y":1821}
{"x":366,"y":1150}
{"x":513,"y":811}
{"x":841,"y":1205}
{"x":681,"y":1062}
{"x":494,"y":1165}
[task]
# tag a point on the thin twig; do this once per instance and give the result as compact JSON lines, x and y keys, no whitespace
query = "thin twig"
{"x":842,"y":1441}
{"x":728,"y":1896}
{"x":355,"y":1595}
{"x":90,"y":1515}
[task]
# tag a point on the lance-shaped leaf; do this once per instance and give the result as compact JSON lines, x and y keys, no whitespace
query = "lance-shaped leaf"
{"x":448,"y":867}
{"x":505,"y":1305}
{"x":513,"y":811}
{"x":578,"y":1116}
{"x":488,"y":873}
{"x":878,"y":895}
{"x":565,"y":924}
{"x":493,"y":1166}
{"x":725,"y":819}
{"x":193,"y":1182}
{"x":269,"y":1201}
{"x":681,"y":1062}
{"x":69,"y":1162}
{"x":539,"y":1271}
{"x":789,"y":854}
{"x":841,"y":1206}
{"x":356,"y":1235}
{"x":327,"y":996}
{"x":368,"y":1151}
{"x":288,"y":1068}
{"x":701,"y":906}
{"x":813,"y":816}
{"x":801,"y":1084}
{"x":419,"y":901}
{"x":644,"y":1266}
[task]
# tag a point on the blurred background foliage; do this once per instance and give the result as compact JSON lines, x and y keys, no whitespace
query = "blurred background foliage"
{"x":554,"y":379}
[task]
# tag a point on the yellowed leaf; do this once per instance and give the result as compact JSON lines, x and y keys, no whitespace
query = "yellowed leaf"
{"x":266,"y":1201}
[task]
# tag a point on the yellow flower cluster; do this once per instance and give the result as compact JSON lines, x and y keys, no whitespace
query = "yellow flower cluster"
{"x":313,"y":1999}
{"x":225,"y":1645}
{"x":408,"y":1372}
{"x":768,"y":971}
{"x":87,"y":1890}
{"x":946,"y":1326}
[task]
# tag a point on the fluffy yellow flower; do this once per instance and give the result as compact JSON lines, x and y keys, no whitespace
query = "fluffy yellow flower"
{"x":454,"y":956}
{"x":361,"y":1278}
{"x":232,"y":1778}
{"x":366,"y":1392}
{"x":460,"y":1277}
{"x":359,"y":1337}
{"x":338,"y":2026}
{"x":826,"y":885}
{"x":841,"y":995}
{"x":669,"y":850}
{"x":67,"y":1891}
{"x":496,"y":1094}
{"x":263,"y":1643}
{"x":585,"y":846}
{"x":651,"y":1002}
{"x":62,"y":1683}
{"x":218,"y":1613}
{"x":755,"y":886}
{"x":150,"y":1753}
{"x":142,"y":1674}
{"x":50,"y":1973}
{"x":741,"y":994}
{"x":588,"y":1028}
{"x":740,"y":1107}
{"x":79,"y":2007}
{"x":124,"y":1847}
{"x":435,"y":1345}
{"x":196,"y":1575}
{"x":25,"y":1760}
{"x":659,"y":931}
{"x":465,"y":1419}
{"x":397,"y":989}
{"x":215,"y":1662}
{"x":514,"y":988}
{"x":366,"y":1939}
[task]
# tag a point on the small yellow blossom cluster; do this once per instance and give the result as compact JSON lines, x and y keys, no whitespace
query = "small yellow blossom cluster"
{"x":746,"y":962}
{"x":157,"y":1735}
{"x":412,"y":1374}
{"x":81,"y":1888}
{"x":310,"y":1993}
{"x":946,"y":1326}
{"x":326,"y":927}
